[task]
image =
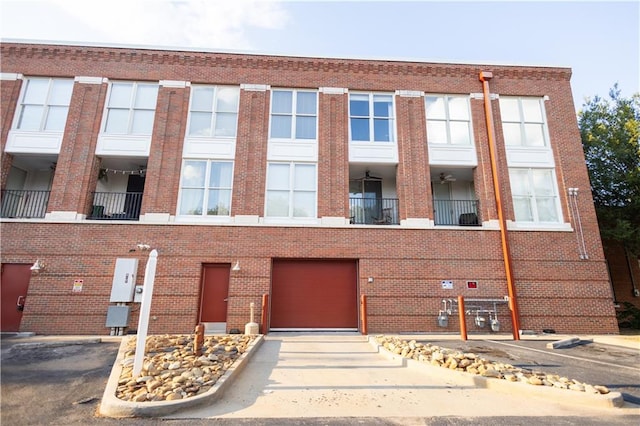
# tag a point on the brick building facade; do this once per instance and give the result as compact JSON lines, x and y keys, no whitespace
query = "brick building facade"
{"x":314,"y":181}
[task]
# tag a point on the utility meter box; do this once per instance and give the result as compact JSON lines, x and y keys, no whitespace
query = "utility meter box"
{"x":124,"y":280}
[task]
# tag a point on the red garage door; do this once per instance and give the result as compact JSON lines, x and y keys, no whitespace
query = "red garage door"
{"x":314,"y":294}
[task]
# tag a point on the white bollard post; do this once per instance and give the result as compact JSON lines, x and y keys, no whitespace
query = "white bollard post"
{"x":145,"y":310}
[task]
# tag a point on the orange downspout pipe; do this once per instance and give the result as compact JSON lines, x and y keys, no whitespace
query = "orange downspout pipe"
{"x":485,"y":76}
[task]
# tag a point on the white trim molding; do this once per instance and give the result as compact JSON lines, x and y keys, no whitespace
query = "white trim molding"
{"x":409,"y":93}
{"x":492,"y":96}
{"x":90,"y":80}
{"x":333,"y":90}
{"x":255,"y":87}
{"x":176,"y":84}
{"x":10,"y":76}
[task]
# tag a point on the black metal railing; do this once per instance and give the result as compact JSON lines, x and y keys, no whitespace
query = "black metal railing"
{"x":374,"y":211}
{"x":456,"y":212}
{"x":116,"y":206}
{"x":24,"y":204}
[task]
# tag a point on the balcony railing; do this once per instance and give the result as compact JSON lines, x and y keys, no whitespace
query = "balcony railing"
{"x":456,"y":212}
{"x":24,"y":204}
{"x":116,"y":206}
{"x":374,"y":211}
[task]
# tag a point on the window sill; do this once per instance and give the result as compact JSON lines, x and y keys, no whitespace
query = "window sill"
{"x":531,"y":226}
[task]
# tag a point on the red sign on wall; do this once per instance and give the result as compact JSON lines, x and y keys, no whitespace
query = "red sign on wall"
{"x":472,"y":284}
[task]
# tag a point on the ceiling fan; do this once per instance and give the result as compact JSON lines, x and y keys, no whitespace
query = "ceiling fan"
{"x":444,"y":178}
{"x":367,"y":176}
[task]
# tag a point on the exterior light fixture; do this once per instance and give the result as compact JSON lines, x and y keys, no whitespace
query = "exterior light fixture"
{"x":236,"y":266}
{"x":37,"y":266}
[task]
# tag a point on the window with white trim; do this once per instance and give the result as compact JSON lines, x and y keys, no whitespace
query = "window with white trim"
{"x":205,"y":188}
{"x":523,"y":121}
{"x":448,"y":119}
{"x":213,"y":111}
{"x":131,"y":108}
{"x":371,"y":117}
{"x":44,"y":104}
{"x":291,"y":190}
{"x":294,"y":114}
{"x":535,"y":195}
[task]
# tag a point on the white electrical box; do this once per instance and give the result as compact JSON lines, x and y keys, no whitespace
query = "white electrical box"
{"x":124,"y":280}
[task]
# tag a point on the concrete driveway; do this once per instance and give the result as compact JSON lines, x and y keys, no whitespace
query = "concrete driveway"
{"x":293,"y":379}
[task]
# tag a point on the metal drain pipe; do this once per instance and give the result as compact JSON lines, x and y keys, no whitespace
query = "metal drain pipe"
{"x":485,"y":76}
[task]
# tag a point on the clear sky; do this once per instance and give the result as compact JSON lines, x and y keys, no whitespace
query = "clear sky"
{"x":599,"y":41}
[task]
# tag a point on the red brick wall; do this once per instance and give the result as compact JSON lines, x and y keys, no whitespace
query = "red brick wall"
{"x":556,"y":289}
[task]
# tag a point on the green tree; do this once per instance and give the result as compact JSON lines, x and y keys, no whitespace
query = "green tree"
{"x":610,"y":132}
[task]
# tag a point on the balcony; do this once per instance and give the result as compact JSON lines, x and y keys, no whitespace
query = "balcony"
{"x":24,"y":204}
{"x":374,"y":211}
{"x":116,"y":206}
{"x":456,"y":212}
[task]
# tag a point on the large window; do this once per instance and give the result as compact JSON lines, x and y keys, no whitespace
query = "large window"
{"x":293,"y":114}
{"x":205,"y":188}
{"x":371,"y":117}
{"x":213,"y":111}
{"x":448,"y":120}
{"x":44,"y":105}
{"x":535,"y":195}
{"x":291,"y":190}
{"x":131,"y":108}
{"x":523,"y":121}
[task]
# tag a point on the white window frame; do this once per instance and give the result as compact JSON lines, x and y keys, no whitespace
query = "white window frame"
{"x":532,"y":197}
{"x":294,"y":115}
{"x":448,"y":120}
{"x":131,"y":108}
{"x":205,"y":189}
{"x":523,"y":123}
{"x":292,"y":191}
{"x":214,"y":111}
{"x":371,"y":118}
{"x":46,"y":106}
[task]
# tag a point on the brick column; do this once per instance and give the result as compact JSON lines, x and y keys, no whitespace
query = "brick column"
{"x":77,"y":166}
{"x":250,"y":166}
{"x":333,"y":156}
{"x":412,"y":178}
{"x":9,"y":96}
{"x":162,"y":179}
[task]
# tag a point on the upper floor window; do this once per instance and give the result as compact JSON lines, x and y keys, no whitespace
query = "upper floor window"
{"x":214,"y":111}
{"x":293,"y":114}
{"x":291,"y":190}
{"x":448,"y":120}
{"x":44,"y":105}
{"x":205,"y":188}
{"x":535,"y":195}
{"x":523,"y":121}
{"x":371,"y":117}
{"x":131,"y":108}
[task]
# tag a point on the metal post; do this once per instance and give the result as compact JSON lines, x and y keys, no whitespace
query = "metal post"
{"x":363,"y":313}
{"x":463,"y":320}
{"x":265,"y":310}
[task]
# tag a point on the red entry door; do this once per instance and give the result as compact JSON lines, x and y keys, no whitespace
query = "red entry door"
{"x":215,"y":290}
{"x":13,"y":293}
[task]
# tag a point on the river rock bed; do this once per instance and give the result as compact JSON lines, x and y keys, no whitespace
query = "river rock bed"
{"x":172,"y":370}
{"x":472,"y":363}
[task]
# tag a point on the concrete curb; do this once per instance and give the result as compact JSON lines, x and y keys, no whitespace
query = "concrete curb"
{"x":111,"y":406}
{"x":56,"y":344}
{"x":462,"y":378}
